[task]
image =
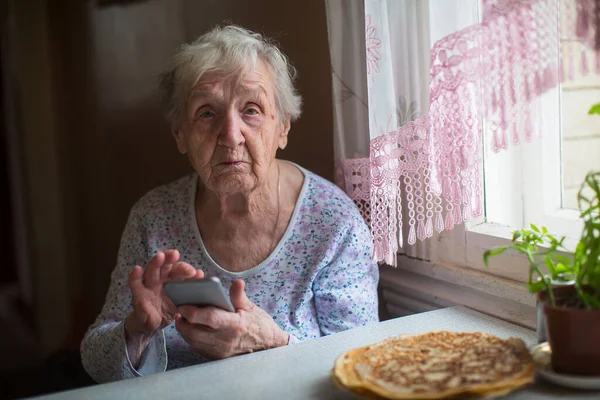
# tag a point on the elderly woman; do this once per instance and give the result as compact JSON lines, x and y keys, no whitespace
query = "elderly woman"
{"x":290,"y":247}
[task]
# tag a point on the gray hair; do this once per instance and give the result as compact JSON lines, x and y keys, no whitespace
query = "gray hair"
{"x":227,"y":50}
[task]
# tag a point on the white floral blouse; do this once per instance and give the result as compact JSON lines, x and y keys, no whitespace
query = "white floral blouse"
{"x":319,"y":280}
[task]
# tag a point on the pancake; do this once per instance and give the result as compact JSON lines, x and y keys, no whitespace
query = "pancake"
{"x":435,"y":365}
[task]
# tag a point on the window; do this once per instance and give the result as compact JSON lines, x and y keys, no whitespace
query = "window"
{"x":580,"y":132}
{"x":535,"y":182}
{"x":524,"y":185}
{"x":538,"y":182}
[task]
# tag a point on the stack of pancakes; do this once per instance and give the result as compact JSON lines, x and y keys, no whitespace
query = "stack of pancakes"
{"x":435,"y":365}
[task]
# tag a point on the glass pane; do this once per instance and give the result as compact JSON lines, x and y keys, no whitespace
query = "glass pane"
{"x":580,"y":131}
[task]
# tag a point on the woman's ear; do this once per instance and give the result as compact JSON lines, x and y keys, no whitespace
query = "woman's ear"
{"x":283,"y":135}
{"x":178,"y":134}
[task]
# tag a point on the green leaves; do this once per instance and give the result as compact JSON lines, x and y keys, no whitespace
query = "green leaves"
{"x":516,"y":235}
{"x":494,"y":251}
{"x":541,"y":249}
{"x":587,"y":253}
{"x":537,"y":286}
{"x":550,"y":264}
{"x":544,"y":250}
{"x":563,"y":260}
{"x":595,"y":109}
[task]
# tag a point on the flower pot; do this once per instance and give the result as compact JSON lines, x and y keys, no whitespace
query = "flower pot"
{"x":541,"y":331}
{"x":573,"y":334}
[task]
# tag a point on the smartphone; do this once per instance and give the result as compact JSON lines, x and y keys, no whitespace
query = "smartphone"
{"x":199,"y":292}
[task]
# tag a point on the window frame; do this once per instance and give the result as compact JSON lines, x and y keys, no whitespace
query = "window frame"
{"x":522,"y":185}
{"x":533,"y":177}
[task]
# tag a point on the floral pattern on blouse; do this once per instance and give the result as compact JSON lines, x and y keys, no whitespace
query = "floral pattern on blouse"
{"x":319,"y":280}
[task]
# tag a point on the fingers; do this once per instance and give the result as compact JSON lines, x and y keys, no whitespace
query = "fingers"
{"x":146,"y":317}
{"x":183,"y":270}
{"x":184,"y":327}
{"x":191,"y":332}
{"x":211,"y":317}
{"x":165,"y":271}
{"x":135,"y":280}
{"x":239,"y":300}
{"x":159,"y":267}
{"x":171,"y":256}
{"x":152,"y":273}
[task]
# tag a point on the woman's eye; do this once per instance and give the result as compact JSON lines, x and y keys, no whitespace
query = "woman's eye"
{"x":251,"y":111}
{"x":206,"y":114}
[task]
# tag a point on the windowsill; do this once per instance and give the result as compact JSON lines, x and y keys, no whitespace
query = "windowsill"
{"x":456,"y":275}
{"x":416,"y":283}
{"x":490,"y":229}
{"x":510,"y":264}
{"x":491,"y":233}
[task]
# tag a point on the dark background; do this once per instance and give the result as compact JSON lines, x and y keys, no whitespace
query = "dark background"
{"x":82,"y":137}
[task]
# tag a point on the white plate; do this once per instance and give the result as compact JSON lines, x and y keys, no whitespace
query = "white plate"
{"x":542,"y":356}
{"x":570,"y":381}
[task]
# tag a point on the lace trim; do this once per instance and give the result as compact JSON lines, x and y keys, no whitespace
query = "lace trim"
{"x":433,"y":164}
{"x":352,"y":175}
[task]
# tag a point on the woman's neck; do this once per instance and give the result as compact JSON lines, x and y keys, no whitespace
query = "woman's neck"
{"x":221,"y":207}
{"x":252,"y":223}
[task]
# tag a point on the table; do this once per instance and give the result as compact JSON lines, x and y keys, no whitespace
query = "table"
{"x":301,"y":371}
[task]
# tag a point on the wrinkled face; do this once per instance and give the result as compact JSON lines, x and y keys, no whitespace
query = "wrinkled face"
{"x":231,"y":130}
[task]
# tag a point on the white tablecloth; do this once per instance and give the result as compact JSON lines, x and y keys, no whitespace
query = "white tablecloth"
{"x":301,"y":371}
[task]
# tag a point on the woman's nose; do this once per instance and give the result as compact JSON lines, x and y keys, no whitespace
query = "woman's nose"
{"x":231,"y":134}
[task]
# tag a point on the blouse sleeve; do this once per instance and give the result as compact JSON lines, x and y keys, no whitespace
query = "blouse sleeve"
{"x":103,"y":350}
{"x":346,"y":289}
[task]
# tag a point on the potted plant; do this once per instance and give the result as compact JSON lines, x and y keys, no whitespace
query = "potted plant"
{"x":568,"y":287}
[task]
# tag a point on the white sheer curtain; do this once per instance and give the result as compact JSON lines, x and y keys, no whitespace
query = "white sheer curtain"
{"x":411,"y":99}
{"x":380,"y":54}
{"x":346,"y":21}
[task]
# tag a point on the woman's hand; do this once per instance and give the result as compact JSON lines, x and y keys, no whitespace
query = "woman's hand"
{"x":152,"y":309}
{"x":217,"y":334}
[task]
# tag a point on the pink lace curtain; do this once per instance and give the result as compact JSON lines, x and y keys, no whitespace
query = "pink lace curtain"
{"x":415,"y":94}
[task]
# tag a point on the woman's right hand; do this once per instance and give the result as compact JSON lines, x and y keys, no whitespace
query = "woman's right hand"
{"x":152,"y":309}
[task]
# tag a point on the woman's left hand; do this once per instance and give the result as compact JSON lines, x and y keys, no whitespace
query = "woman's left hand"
{"x":217,"y":333}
